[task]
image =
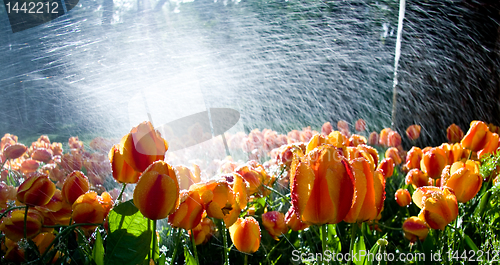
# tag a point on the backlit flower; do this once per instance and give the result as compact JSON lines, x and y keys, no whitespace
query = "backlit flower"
{"x":393,"y":153}
{"x":203,"y":232}
{"x":327,"y":128}
{"x":477,"y":136}
{"x":13,"y":151}
{"x":386,"y":167}
{"x":413,"y":131}
{"x":322,"y":186}
{"x":438,"y":206}
{"x":454,"y":133}
{"x":369,"y":192}
{"x":36,"y":190}
{"x":403,"y":197}
{"x":413,"y":158}
{"x":13,"y":224}
{"x":293,"y":221}
{"x":122,"y":172}
{"x":76,"y":184}
{"x":433,"y":162}
{"x":360,"y":125}
{"x":464,"y":179}
{"x":188,"y":214}
{"x":415,"y":229}
{"x":417,"y":178}
{"x":275,"y":224}
{"x":157,"y":192}
{"x":373,"y":139}
{"x":245,"y":234}
{"x":91,"y":208}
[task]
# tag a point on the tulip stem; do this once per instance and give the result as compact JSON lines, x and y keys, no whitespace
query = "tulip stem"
{"x":153,"y":249}
{"x":246,"y":259}
{"x":149,"y":229}
{"x":224,"y":242}
{"x":121,"y":193}
{"x":194,"y":247}
{"x":388,"y":227}
{"x":353,"y":238}
{"x":26,"y":220}
{"x":10,"y":209}
{"x":178,"y":237}
{"x":324,"y":228}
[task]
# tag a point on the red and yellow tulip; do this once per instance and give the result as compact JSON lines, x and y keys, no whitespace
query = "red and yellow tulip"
{"x":245,"y":234}
{"x":438,"y":206}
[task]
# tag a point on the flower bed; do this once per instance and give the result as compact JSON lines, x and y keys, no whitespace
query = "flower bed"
{"x":306,"y":197}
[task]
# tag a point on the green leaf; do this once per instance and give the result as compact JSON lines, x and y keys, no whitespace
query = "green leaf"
{"x":373,"y":252}
{"x":334,"y":240}
{"x":129,"y":240}
{"x":470,"y":243}
{"x":190,"y":260}
{"x":359,"y":248}
{"x":98,"y":251}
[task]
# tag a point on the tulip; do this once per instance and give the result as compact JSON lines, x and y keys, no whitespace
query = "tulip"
{"x":417,"y":178}
{"x":342,"y":125}
{"x":316,"y":140}
{"x":76,"y":184}
{"x":245,"y":234}
{"x":143,"y":146}
{"x":413,"y":158}
{"x":337,"y":139}
{"x":327,"y":128}
{"x":29,"y":166}
{"x":275,"y":224}
{"x":157,"y":192}
{"x":464,"y":179}
{"x":386,"y":167}
{"x":42,"y":155}
{"x":91,"y":208}
{"x":369,"y":193}
{"x":373,"y":139}
{"x":438,"y":206}
{"x":293,"y":221}
{"x":403,"y":197}
{"x":122,"y":172}
{"x":415,"y":229}
{"x":393,"y":153}
{"x":322,"y":186}
{"x":14,"y":151}
{"x":454,"y":133}
{"x":393,"y":139}
{"x":203,"y":232}
{"x":413,"y":132}
{"x":356,"y":140}
{"x":188,"y":214}
{"x":13,"y":253}
{"x":36,"y":190}
{"x":186,"y":177}
{"x":360,"y":125}
{"x":491,"y":145}
{"x":433,"y":162}
{"x":477,"y":136}
{"x":13,"y":224}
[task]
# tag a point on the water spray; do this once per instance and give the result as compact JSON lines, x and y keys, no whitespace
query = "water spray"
{"x":402,"y":4}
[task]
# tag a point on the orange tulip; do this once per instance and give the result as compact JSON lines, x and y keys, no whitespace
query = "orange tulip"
{"x":316,"y":140}
{"x":157,"y":192}
{"x":338,"y":139}
{"x":393,"y":153}
{"x":403,"y":197}
{"x":327,"y":128}
{"x":7,"y":193}
{"x":393,"y":139}
{"x":369,"y":192}
{"x":413,"y":158}
{"x":42,"y":155}
{"x":186,"y":177}
{"x":322,"y":186}
{"x":454,"y":133}
{"x":76,"y":184}
{"x":293,"y":221}
{"x":203,"y":232}
{"x":245,"y":234}
{"x":433,"y":162}
{"x":91,"y":208}
{"x":188,"y":214}
{"x":13,"y":151}
{"x":464,"y":179}
{"x":477,"y":136}
{"x":417,"y":178}
{"x":386,"y":167}
{"x":275,"y":224}
{"x":29,"y":166}
{"x":491,"y":146}
{"x":356,"y":140}
{"x":438,"y":206}
{"x":143,"y":146}
{"x":13,"y":224}
{"x":122,"y":172}
{"x":36,"y":190}
{"x":413,"y":131}
{"x":415,"y":229}
{"x":360,"y":125}
{"x":256,"y":176}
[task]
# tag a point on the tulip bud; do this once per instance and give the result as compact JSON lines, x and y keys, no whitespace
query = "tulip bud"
{"x":274,"y":222}
{"x":373,"y":139}
{"x":386,"y":167}
{"x":356,"y":140}
{"x":360,"y":125}
{"x":433,"y":162}
{"x":415,"y":229}
{"x":403,"y":197}
{"x":122,"y":172}
{"x":393,"y":153}
{"x":14,"y":151}
{"x":413,"y":132}
{"x":157,"y":192}
{"x":76,"y":184}
{"x":413,"y":158}
{"x":245,"y":234}
{"x":393,"y":139}
{"x":327,"y":128}
{"x":42,"y":155}
{"x":186,"y":177}
{"x":188,"y":214}
{"x":477,"y":136}
{"x":36,"y":190}
{"x":454,"y":133}
{"x":90,"y":208}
